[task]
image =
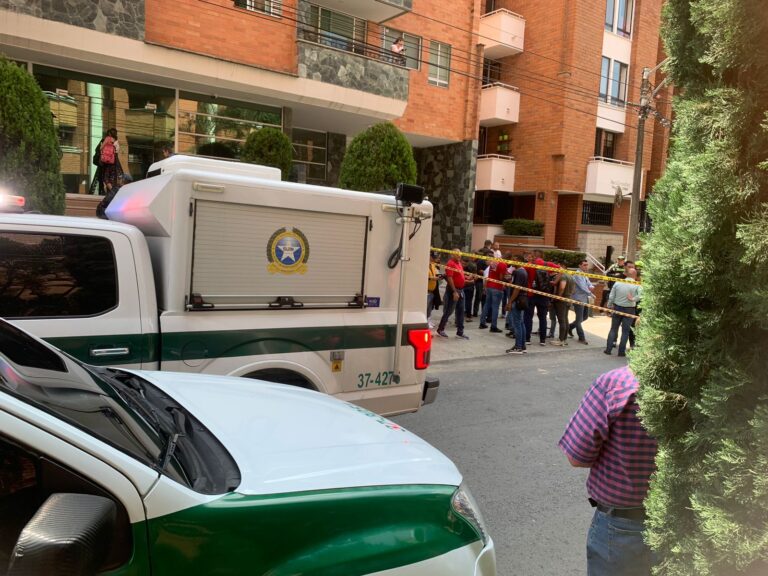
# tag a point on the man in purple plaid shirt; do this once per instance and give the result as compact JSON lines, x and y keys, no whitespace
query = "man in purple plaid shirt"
{"x":606,"y":436}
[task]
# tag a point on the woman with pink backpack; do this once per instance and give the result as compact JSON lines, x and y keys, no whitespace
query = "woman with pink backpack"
{"x":110,"y":171}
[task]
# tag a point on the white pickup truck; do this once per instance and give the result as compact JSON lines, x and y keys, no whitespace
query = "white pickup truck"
{"x":220,"y":268}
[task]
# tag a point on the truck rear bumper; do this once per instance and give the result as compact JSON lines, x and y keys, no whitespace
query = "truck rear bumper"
{"x":431,"y":386}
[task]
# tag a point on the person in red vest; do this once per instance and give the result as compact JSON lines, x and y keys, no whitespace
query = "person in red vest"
{"x":454,"y":296}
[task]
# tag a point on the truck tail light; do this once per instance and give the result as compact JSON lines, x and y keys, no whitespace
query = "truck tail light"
{"x":421,"y":340}
{"x":11,"y":202}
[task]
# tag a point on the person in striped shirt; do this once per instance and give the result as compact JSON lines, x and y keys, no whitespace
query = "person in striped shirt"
{"x":606,"y":436}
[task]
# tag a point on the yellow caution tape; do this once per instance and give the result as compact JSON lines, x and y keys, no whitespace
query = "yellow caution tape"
{"x":517,"y":264}
{"x":548,"y":295}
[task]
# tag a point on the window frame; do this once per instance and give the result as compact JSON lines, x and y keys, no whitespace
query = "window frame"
{"x":619,"y":17}
{"x":355,"y":43}
{"x":387,"y":38}
{"x":438,"y":50}
{"x":270,"y":7}
{"x":295,"y":145}
{"x":589,"y":215}
{"x":618,"y":86}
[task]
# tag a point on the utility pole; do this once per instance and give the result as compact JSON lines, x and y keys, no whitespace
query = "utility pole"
{"x":644,"y":108}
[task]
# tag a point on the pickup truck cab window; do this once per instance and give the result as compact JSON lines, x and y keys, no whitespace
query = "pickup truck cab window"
{"x":50,"y":275}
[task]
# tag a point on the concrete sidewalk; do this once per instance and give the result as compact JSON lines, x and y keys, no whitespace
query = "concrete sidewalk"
{"x":482,"y":343}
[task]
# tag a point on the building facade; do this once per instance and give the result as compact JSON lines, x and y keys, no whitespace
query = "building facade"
{"x":199,"y":75}
{"x":558,"y":132}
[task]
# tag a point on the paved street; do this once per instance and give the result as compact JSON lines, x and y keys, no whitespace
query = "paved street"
{"x":499,"y":418}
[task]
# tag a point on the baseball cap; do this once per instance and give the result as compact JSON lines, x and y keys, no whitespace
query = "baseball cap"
{"x":622,"y":257}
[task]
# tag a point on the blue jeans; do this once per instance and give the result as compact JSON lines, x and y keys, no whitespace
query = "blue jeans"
{"x":448,"y":307}
{"x":626,"y":325}
{"x":581,"y":315}
{"x":518,"y":324}
{"x":536,"y":304}
{"x":615,"y":547}
{"x":491,"y":306}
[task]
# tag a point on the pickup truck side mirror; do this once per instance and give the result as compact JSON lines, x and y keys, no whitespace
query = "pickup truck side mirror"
{"x":69,"y":535}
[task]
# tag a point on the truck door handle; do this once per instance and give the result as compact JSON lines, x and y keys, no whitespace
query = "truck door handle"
{"x":109,"y":352}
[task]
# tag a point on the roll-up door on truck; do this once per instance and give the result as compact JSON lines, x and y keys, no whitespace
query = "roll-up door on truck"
{"x":247,"y":256}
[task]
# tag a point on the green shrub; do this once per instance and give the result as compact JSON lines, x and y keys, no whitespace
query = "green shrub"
{"x":217,"y":150}
{"x":269,"y":147}
{"x":29,"y":147}
{"x":567,"y":259}
{"x":378,"y":159}
{"x":522,"y":227}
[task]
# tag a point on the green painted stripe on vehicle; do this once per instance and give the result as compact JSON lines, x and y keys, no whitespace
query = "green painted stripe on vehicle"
{"x":324,"y":533}
{"x":178,"y":346}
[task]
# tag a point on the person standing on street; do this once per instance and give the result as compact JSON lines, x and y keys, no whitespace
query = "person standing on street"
{"x":493,"y":294}
{"x":454,"y":296}
{"x":434,"y":260}
{"x":470,"y":269}
{"x":606,"y":436}
{"x":614,"y":271}
{"x":516,"y":306}
{"x":582,"y":290}
{"x":623,"y":298}
{"x":563,"y":287}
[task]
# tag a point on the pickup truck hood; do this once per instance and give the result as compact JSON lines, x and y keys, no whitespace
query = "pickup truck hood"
{"x":287,"y":439}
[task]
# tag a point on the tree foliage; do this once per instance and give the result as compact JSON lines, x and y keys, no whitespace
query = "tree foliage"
{"x":704,"y":333}
{"x":269,"y":147}
{"x":378,"y":159}
{"x":29,"y":148}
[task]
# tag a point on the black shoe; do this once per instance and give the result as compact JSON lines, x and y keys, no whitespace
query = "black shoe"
{"x":620,"y":355}
{"x":495,"y":330}
{"x":608,"y":352}
{"x":483,"y":326}
{"x":510,"y":334}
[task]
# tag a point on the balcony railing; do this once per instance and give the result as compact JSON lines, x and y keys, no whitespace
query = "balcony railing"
{"x":373,"y":10}
{"x":341,"y":67}
{"x":503,"y":33}
{"x":495,"y":172}
{"x":499,"y":105}
{"x":606,"y":178}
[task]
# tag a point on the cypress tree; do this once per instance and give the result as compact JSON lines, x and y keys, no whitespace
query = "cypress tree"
{"x":379,"y":158}
{"x":29,"y":147}
{"x":703,"y":361}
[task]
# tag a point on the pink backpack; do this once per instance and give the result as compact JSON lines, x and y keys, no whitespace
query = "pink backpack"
{"x":108,"y":151}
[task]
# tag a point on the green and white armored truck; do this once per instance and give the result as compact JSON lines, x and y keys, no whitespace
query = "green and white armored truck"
{"x":123,"y":472}
{"x":220,"y":268}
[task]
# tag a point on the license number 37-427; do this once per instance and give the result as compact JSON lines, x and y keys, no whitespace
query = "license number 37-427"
{"x":367,"y":379}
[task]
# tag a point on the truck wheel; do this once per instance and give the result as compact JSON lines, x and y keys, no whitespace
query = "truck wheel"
{"x":282,"y":376}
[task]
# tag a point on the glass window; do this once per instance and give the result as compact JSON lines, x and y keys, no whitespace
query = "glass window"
{"x":46,"y":275}
{"x":610,"y":8}
{"x":491,"y":71}
{"x":412,"y":46}
{"x":337,"y":30}
{"x":439,"y":63}
{"x":605,"y":144}
{"x":624,"y":18}
{"x":218,"y":127}
{"x":596,"y":213}
{"x":604,"y":74}
{"x":309,"y":156}
{"x":273,"y":7}
{"x":619,"y":83}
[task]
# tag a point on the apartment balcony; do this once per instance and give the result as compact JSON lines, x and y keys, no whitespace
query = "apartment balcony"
{"x":611,"y":117}
{"x":495,"y":172}
{"x":349,"y":66}
{"x":502,"y":32}
{"x":499,"y":105}
{"x":605,"y":176}
{"x":374,"y":10}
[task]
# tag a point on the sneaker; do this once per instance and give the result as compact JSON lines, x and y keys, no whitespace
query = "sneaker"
{"x":555,"y":343}
{"x":462,"y":336}
{"x":583,"y":342}
{"x":570,"y":334}
{"x":620,"y":355}
{"x":510,"y":334}
{"x":495,"y":330}
{"x":525,"y":350}
{"x":542,"y":343}
{"x":442,"y":334}
{"x":514,"y":351}
{"x":431,"y":326}
{"x":608,"y":352}
{"x":483,"y":326}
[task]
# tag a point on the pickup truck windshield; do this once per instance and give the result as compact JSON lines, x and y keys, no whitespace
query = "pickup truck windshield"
{"x":117,"y":407}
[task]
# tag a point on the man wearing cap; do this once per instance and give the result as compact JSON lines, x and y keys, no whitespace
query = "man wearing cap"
{"x":615,"y":270}
{"x":606,"y":436}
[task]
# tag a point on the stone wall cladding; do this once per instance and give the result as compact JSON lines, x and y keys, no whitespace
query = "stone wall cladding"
{"x":448,"y":176}
{"x":350,"y":70}
{"x":119,"y":17}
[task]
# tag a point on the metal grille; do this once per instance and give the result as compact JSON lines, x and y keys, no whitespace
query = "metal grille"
{"x":596,"y":213}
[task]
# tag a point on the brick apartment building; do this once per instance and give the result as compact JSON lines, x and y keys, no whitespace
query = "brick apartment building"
{"x":197,"y":73}
{"x":554,"y":139}
{"x":557,"y":136}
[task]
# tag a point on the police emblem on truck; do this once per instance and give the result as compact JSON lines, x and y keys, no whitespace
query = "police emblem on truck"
{"x":287,"y":252}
